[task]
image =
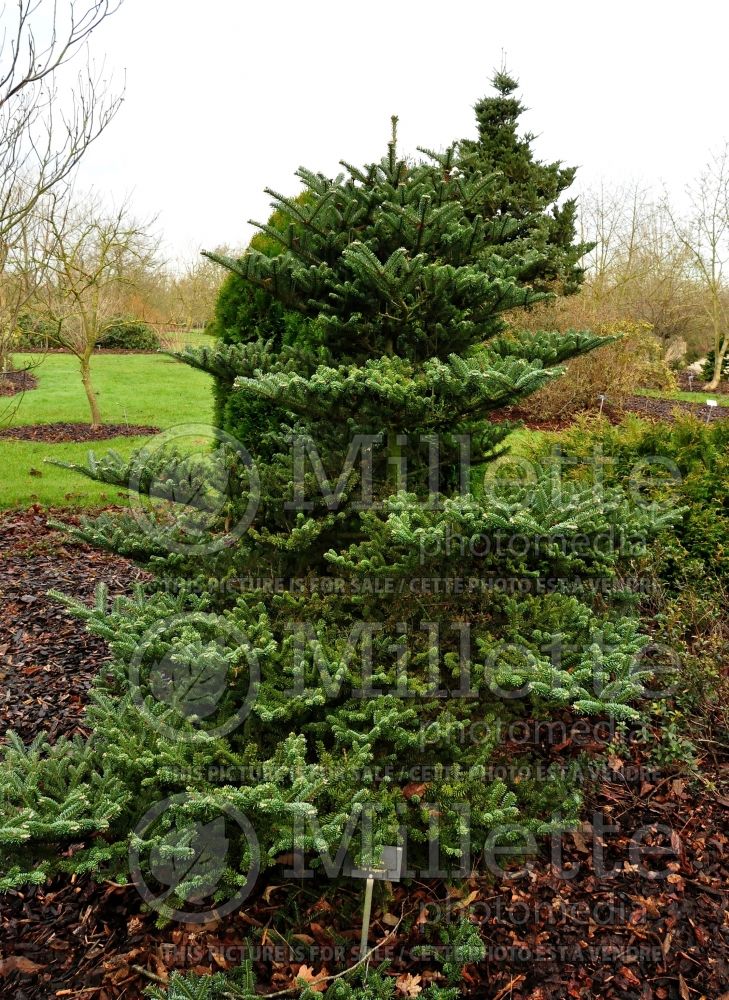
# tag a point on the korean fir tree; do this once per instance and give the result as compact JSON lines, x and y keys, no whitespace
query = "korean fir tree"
{"x":328,"y":645}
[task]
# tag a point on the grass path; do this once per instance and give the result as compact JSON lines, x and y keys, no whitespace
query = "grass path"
{"x":132,"y":388}
{"x":687,"y":397}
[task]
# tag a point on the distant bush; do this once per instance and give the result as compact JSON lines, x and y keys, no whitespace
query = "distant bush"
{"x":130,"y":335}
{"x":34,"y":332}
{"x":633,"y":361}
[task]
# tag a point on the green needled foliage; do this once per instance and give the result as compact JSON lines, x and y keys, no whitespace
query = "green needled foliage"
{"x":343,"y":571}
{"x":532,"y":191}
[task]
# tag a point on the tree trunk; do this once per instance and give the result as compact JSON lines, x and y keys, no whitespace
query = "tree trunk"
{"x":719,"y":355}
{"x":721,"y":344}
{"x":394,"y":449}
{"x":90,"y":394}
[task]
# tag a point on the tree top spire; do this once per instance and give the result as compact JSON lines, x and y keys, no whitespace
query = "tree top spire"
{"x":504,"y":82}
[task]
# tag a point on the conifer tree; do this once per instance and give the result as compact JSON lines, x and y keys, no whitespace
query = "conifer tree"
{"x":358,"y":618}
{"x":532,"y":189}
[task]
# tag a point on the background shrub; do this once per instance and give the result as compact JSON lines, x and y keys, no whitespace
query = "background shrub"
{"x":130,"y":335}
{"x":686,"y":571}
{"x":34,"y":333}
{"x":634,"y":360}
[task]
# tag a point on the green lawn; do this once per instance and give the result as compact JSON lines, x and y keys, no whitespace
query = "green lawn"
{"x":191,"y":338}
{"x":145,"y":389}
{"x":688,"y":397}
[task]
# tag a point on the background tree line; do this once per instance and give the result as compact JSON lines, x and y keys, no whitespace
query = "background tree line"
{"x":74,"y":269}
{"x":656,"y":267}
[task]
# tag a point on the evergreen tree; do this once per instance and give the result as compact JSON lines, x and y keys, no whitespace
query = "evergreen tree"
{"x":707,"y":370}
{"x":363,"y":679}
{"x":531,"y":190}
{"x":245,"y":314}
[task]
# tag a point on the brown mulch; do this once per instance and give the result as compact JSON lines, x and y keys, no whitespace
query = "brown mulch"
{"x":643,"y":406}
{"x":697,"y":383}
{"x":47,"y":660}
{"x":665,"y":409}
{"x":651,"y":926}
{"x":527,"y":419}
{"x":60,"y":432}
{"x":12,"y":383}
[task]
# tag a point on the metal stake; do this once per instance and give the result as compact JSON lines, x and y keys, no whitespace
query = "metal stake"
{"x":366,"y":916}
{"x":388,"y":871}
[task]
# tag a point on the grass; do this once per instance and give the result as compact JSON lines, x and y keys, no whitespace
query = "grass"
{"x":688,"y":397}
{"x":147,"y":389}
{"x":521,"y":443}
{"x":190,"y":338}
{"x":27,"y":480}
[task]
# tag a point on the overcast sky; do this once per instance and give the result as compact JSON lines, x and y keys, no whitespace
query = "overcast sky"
{"x":226,"y":97}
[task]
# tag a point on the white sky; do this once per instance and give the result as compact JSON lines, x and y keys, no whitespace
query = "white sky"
{"x":225,"y":97}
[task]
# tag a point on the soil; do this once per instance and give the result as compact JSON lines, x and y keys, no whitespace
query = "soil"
{"x":644,"y":406}
{"x":48,"y":660}
{"x":527,"y":419}
{"x":665,"y":409}
{"x":696,"y":384}
{"x":653,"y":930}
{"x":12,"y":383}
{"x":60,"y":432}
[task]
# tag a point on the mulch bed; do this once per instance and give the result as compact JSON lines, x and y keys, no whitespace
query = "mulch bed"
{"x":47,"y":660}
{"x":11,"y":383}
{"x":643,"y":406}
{"x":60,"y":432}
{"x":665,"y":409}
{"x":516,"y":413}
{"x":696,"y":384}
{"x":624,"y":935}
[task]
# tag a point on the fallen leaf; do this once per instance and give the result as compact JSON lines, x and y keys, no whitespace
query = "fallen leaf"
{"x":415,"y":788}
{"x":516,"y":981}
{"x":629,"y":976}
{"x":409,"y":985}
{"x":16,"y":963}
{"x":321,"y":934}
{"x":579,"y":841}
{"x":467,"y":901}
{"x":313,"y":979}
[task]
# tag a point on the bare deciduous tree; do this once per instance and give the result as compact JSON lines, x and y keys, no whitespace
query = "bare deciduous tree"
{"x":704,"y":234}
{"x":639,"y":270}
{"x":47,"y":119}
{"x":194,"y":291}
{"x":21,"y":268}
{"x":94,"y":258}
